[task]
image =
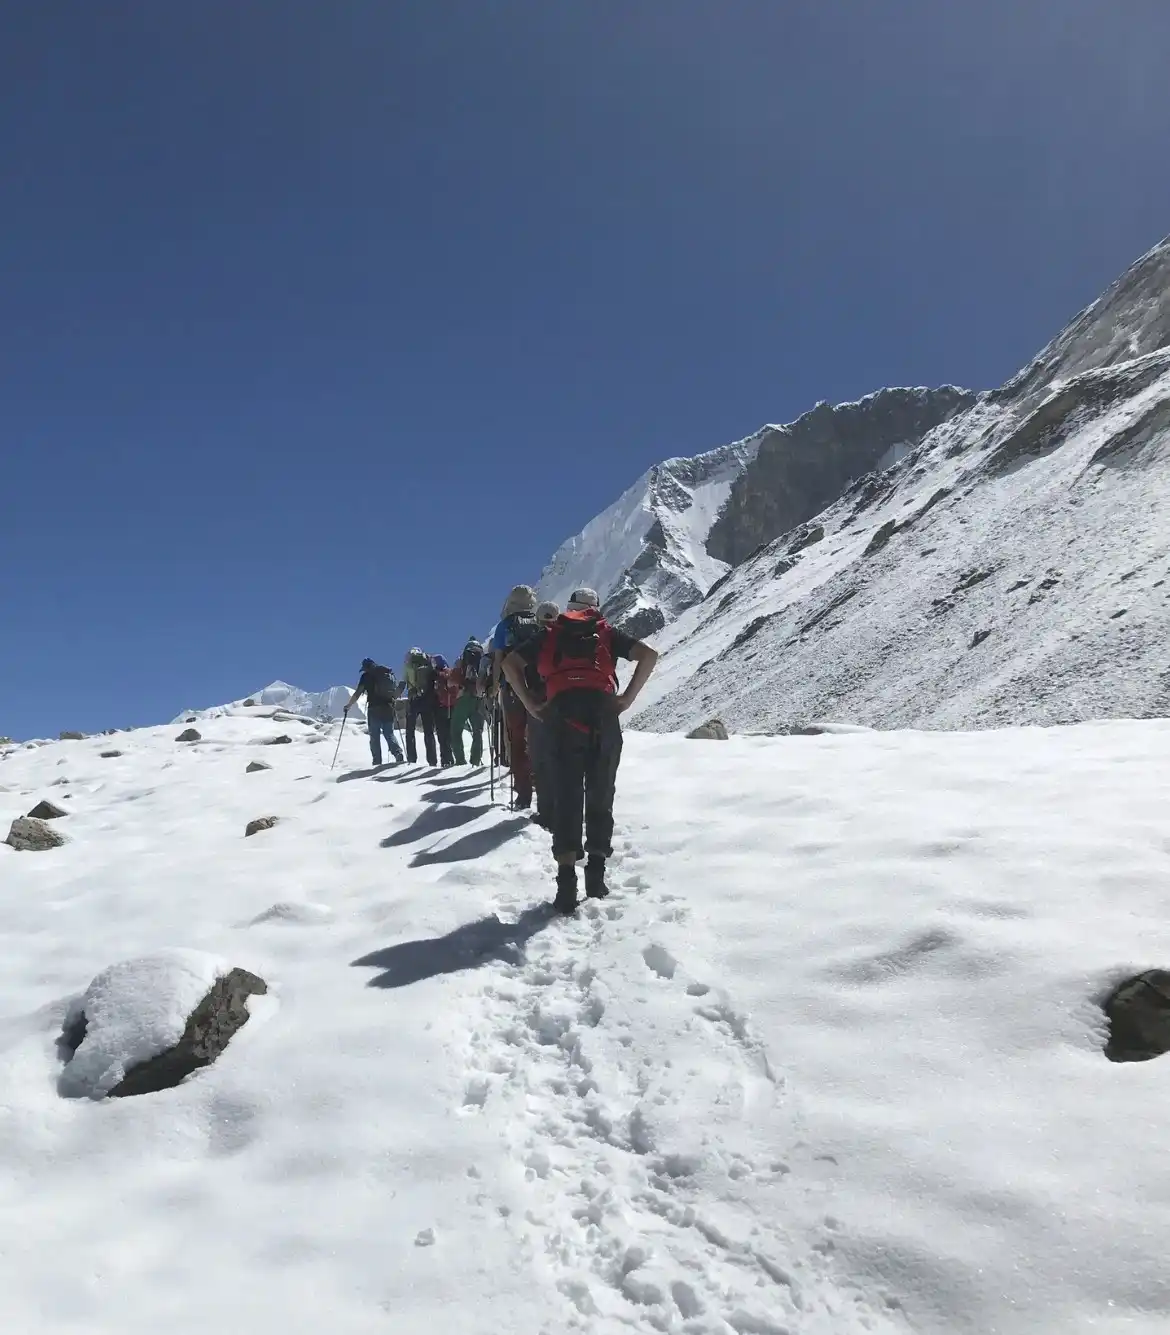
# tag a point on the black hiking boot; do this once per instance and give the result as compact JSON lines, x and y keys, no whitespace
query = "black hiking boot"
{"x":566,"y":900}
{"x":595,"y":886}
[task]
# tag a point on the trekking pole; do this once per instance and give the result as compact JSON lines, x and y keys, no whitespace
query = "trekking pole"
{"x":492,"y":752}
{"x":340,"y":735}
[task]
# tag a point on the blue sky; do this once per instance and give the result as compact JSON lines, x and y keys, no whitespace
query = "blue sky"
{"x":323,"y":324}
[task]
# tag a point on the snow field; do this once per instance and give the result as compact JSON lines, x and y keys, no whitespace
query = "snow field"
{"x":827,"y":1060}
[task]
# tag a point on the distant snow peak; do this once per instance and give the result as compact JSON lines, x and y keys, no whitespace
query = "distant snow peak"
{"x":327,"y":704}
{"x":646,"y":554}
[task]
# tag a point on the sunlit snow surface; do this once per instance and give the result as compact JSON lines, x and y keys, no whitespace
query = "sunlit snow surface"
{"x":828,"y":1060}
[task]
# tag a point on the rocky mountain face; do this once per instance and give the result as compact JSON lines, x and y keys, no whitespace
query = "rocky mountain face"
{"x":1013,"y":567}
{"x":646,"y":554}
{"x":802,"y":467}
{"x":686,"y":522}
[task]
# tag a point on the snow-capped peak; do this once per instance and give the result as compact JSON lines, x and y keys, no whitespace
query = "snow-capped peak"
{"x":646,"y":554}
{"x":325,"y":704}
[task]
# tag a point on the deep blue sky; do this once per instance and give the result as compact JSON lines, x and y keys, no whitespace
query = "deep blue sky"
{"x":321,"y":324}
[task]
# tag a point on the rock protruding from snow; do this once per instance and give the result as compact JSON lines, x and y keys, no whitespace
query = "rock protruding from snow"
{"x":47,"y":811}
{"x":146,"y":1024}
{"x":711,"y":731}
{"x":255,"y":766}
{"x":283,"y":740}
{"x":259,"y":824}
{"x":30,"y":835}
{"x":110,"y":755}
{"x":72,"y":736}
{"x":189,"y":735}
{"x":1139,"y":1017}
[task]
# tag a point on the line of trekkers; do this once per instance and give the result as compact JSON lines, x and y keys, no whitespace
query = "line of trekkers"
{"x":545,"y":686}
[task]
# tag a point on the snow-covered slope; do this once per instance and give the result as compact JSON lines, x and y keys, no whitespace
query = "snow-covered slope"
{"x":325,"y":704}
{"x":646,"y":555}
{"x":827,"y":1062}
{"x":1012,"y":568}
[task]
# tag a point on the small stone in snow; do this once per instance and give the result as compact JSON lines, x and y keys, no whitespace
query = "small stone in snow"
{"x":283,"y":740}
{"x":47,"y":811}
{"x":263,"y":823}
{"x":189,"y":735}
{"x":425,"y":1238}
{"x":110,"y":755}
{"x":255,"y":766}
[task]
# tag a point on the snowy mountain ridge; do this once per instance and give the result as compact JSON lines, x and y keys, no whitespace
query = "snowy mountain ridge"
{"x":682,"y":526}
{"x":327,"y":704}
{"x":646,"y":554}
{"x":1012,"y":568}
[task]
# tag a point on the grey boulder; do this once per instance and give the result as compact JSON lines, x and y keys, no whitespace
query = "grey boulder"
{"x":713,"y":730}
{"x":189,"y":735}
{"x":256,"y":766}
{"x":29,"y":835}
{"x":262,"y":823}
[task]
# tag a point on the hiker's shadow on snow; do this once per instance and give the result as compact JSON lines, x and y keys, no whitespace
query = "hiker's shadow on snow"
{"x":472,"y":845}
{"x":352,"y":774}
{"x":434,"y":820}
{"x":467,"y":947}
{"x":455,"y":794}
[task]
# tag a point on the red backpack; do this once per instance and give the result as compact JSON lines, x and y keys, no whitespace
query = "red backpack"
{"x":577,"y":655}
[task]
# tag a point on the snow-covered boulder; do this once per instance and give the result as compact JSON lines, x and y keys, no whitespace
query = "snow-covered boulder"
{"x":189,"y":735}
{"x":148,"y":1023}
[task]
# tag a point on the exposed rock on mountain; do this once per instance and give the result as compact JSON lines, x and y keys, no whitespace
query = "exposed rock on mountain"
{"x":801,"y":468}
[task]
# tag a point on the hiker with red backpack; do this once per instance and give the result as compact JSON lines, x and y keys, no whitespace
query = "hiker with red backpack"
{"x":517,"y":626}
{"x":466,"y":712}
{"x":377,"y":684}
{"x":575,"y":658}
{"x":446,"y":694}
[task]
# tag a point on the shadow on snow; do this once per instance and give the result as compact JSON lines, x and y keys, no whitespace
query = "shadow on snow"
{"x":468,"y":947}
{"x":474,"y":844}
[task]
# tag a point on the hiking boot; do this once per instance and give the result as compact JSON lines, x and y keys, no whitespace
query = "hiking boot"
{"x":539,"y":818}
{"x":566,"y":900}
{"x":595,"y":886}
{"x":523,"y":801}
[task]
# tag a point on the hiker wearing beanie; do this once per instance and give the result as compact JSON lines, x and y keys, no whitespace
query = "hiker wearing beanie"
{"x":575,"y":658}
{"x":517,"y":626}
{"x":377,"y":684}
{"x":539,"y":751}
{"x":466,"y":713}
{"x":420,"y":704}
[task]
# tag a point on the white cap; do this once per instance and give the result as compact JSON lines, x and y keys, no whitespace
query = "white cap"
{"x":583,"y":599}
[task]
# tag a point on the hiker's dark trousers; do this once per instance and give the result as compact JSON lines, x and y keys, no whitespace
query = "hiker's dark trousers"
{"x":585,"y":745}
{"x":421,"y":707}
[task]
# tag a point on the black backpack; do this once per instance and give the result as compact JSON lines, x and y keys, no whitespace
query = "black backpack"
{"x":523,"y":626}
{"x":383,"y":689}
{"x":471,"y":661}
